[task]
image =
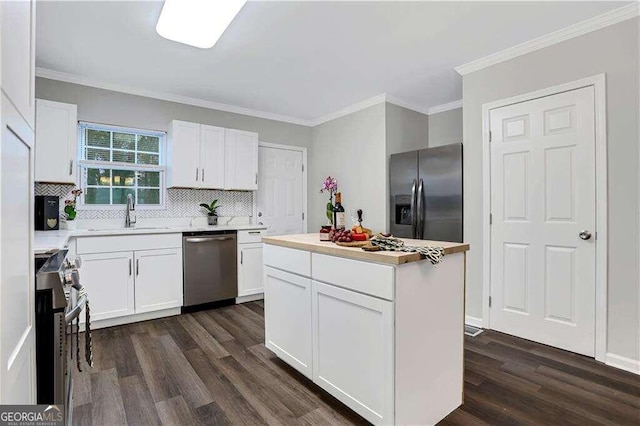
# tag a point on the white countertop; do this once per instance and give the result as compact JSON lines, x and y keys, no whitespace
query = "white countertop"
{"x":50,"y":241}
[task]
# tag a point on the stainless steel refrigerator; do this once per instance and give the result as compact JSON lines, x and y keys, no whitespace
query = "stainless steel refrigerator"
{"x":426,"y":194}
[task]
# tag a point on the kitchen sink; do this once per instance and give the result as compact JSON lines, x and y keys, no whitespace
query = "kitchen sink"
{"x":129,"y":229}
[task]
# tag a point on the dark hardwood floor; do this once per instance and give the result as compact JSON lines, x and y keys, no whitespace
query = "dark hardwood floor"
{"x":211,"y":367}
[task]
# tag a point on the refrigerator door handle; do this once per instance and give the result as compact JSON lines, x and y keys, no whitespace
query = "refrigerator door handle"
{"x":414,"y":216}
{"x":420,"y":208}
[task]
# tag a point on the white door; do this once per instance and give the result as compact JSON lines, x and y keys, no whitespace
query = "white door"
{"x":353,"y":350}
{"x":241,"y":160}
{"x":158,"y":282}
{"x":542,"y":197}
{"x":56,"y":142}
{"x":183,"y":153}
{"x":250,"y":269}
{"x":287,"y":318}
{"x":108,"y":278}
{"x":280,"y":191}
{"x":211,"y":157}
{"x":17,"y":287}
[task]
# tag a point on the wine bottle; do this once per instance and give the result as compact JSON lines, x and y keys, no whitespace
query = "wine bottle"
{"x":338,"y":213}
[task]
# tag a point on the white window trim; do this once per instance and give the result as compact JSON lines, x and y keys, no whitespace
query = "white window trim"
{"x":82,"y":163}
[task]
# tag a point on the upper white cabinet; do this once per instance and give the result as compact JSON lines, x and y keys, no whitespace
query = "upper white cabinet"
{"x":201,"y":156}
{"x":56,"y":142}
{"x":18,"y":22}
{"x":241,"y":160}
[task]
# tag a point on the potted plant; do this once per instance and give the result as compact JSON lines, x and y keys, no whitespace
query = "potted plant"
{"x":70,"y":211}
{"x":329,"y":185}
{"x":211,"y":211}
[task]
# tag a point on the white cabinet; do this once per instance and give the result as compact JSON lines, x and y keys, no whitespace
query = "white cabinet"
{"x":196,"y":156}
{"x":287,"y":316}
{"x":17,"y":26}
{"x":158,"y":279}
{"x":108,"y":278}
{"x":183,"y":155}
{"x":241,"y":160}
{"x":352,"y":340}
{"x":250,"y":269}
{"x":56,"y":142}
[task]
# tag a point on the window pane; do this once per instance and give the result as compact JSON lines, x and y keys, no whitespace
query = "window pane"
{"x":101,"y":138}
{"x":96,"y":196}
{"x":120,"y":195}
{"x":148,"y":159}
{"x":98,"y":154}
{"x":148,"y":143}
{"x":124,"y":156}
{"x":148,"y":196}
{"x":124,"y":178}
{"x":124,"y":141}
{"x":100,"y":177}
{"x":149,"y":179}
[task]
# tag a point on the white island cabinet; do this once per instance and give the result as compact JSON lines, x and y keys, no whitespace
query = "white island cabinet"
{"x":380,"y":331}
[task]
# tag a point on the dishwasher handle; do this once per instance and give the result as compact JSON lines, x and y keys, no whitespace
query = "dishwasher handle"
{"x":206,"y":239}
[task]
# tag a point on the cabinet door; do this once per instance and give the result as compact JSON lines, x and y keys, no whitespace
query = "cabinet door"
{"x":241,"y":160}
{"x":56,"y":142}
{"x":158,"y":279}
{"x":183,"y":154}
{"x":18,"y":21}
{"x":211,"y":157}
{"x":250,"y":269}
{"x":287,"y":317}
{"x":352,"y":340}
{"x":108,"y":278}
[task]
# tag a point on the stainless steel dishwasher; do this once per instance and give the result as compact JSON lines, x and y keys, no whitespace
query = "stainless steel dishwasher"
{"x":209,"y":267}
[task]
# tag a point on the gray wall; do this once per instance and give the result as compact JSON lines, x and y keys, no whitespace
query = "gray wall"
{"x":612,"y":50}
{"x":445,"y":128}
{"x":406,"y":130}
{"x":351,"y":149}
{"x":108,"y":107}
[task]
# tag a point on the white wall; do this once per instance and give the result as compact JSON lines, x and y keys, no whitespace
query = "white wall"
{"x":445,"y":128}
{"x":351,"y":149}
{"x":612,"y":50}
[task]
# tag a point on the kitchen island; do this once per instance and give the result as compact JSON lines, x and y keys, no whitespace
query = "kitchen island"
{"x":380,"y":331}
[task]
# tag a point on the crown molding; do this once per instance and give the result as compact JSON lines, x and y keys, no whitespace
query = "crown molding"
{"x":445,"y":107}
{"x":86,"y":81}
{"x":408,"y":105}
{"x":606,"y":19}
{"x":351,"y":109}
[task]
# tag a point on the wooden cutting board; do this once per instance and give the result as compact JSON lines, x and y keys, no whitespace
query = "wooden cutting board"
{"x":354,"y":244}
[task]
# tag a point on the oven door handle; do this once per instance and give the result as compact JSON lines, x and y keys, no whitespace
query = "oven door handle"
{"x":75,"y":312}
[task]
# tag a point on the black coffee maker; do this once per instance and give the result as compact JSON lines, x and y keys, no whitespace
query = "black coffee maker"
{"x":47,"y":213}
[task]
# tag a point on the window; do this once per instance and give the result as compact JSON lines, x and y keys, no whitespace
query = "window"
{"x":116,"y":162}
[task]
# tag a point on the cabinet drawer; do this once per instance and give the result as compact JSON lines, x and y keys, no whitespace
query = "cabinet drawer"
{"x":363,"y":277}
{"x":113,"y":243}
{"x":291,"y":260}
{"x":250,"y":236}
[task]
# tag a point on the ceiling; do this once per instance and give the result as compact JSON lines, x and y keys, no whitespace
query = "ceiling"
{"x":297,"y":59}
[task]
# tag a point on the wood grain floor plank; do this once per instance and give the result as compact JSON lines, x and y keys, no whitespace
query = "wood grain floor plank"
{"x":124,"y":358}
{"x":138,"y":403}
{"x":212,"y":415}
{"x":205,"y":340}
{"x":175,"y":411}
{"x":179,"y":335}
{"x":150,"y":355}
{"x":250,"y":327}
{"x":213,"y":328}
{"x":232,"y":328}
{"x":258,"y":309}
{"x":82,"y":415}
{"x":105,"y":390}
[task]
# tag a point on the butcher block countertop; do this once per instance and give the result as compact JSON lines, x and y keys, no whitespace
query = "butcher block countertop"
{"x":312,"y":243}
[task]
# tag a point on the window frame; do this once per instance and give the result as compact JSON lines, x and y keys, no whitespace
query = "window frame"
{"x":84,"y":164}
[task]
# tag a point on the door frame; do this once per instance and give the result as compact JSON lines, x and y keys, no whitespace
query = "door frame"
{"x":598,"y":82}
{"x":301,"y":149}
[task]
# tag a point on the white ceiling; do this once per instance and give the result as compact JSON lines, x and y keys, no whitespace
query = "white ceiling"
{"x":298,"y":59}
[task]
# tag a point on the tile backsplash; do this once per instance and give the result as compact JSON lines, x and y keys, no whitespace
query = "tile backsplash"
{"x":179,"y":203}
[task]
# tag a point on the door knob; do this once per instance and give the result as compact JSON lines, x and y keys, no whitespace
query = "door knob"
{"x":584,"y":234}
{"x":259,"y":214}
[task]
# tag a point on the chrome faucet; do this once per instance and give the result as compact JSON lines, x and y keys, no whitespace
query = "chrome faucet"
{"x":130,"y":218}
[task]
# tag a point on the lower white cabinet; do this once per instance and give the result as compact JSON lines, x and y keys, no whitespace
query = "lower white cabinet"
{"x":353,"y":349}
{"x":287,"y":316}
{"x":108,"y":278}
{"x":250,"y":269}
{"x":158,"y":279}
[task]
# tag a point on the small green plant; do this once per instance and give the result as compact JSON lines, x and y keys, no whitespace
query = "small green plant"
{"x":70,"y":205}
{"x":211,"y":208}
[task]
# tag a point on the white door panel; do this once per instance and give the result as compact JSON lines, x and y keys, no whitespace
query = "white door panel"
{"x":158,"y":279}
{"x":211,"y":157}
{"x":542,"y":196}
{"x":280,"y":202}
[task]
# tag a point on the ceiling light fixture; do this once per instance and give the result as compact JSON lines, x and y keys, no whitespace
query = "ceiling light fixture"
{"x":198,"y":23}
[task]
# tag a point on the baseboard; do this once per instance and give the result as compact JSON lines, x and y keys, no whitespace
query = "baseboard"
{"x":146,"y":316}
{"x":473,"y":321}
{"x":623,"y":363}
{"x":250,"y":298}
